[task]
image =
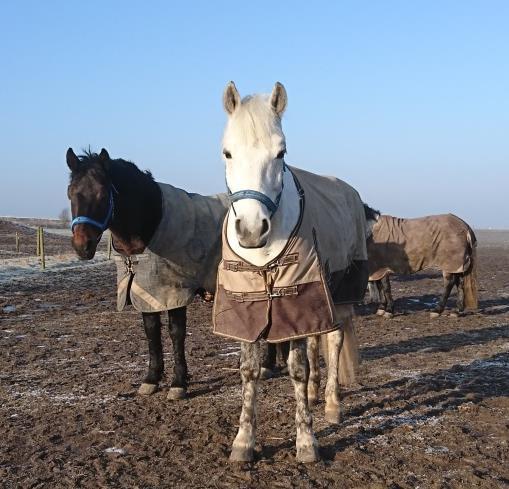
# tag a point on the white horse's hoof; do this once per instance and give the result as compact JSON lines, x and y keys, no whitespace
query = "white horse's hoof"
{"x":380,"y":312}
{"x":455,"y":314}
{"x":176,"y":394}
{"x":307,"y":455}
{"x":266,"y":373}
{"x":147,"y":389}
{"x":434,"y":314}
{"x":388,"y":315}
{"x":241,"y":454}
{"x":333,"y":415}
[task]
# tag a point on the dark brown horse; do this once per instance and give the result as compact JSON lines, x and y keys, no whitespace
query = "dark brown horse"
{"x":158,"y":231}
{"x":406,"y":246}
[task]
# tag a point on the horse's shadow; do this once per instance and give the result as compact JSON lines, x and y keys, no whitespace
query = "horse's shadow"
{"x":462,"y":384}
{"x":444,"y":343}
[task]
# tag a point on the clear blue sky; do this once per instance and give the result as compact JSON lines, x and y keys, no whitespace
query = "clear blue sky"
{"x":407,"y":101}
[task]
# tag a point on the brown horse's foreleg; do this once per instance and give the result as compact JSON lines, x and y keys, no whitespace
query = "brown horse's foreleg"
{"x":152,"y":326}
{"x":449,"y":281}
{"x":382,"y":302}
{"x":313,"y":353}
{"x":389,"y":302}
{"x":177,"y":326}
{"x":332,"y":411}
{"x":243,"y":445}
{"x":299,"y":373}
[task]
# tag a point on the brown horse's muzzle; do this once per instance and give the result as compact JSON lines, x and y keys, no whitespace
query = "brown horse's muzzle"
{"x":85,"y":239}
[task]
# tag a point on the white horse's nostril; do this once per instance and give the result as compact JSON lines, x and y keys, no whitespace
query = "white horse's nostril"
{"x":265,"y":227}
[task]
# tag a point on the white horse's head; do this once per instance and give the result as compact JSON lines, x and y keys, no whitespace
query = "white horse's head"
{"x":253,"y":150}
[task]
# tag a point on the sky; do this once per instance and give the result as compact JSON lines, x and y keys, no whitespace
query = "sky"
{"x":406,"y":101}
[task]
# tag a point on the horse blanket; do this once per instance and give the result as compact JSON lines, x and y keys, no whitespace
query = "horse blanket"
{"x":405,"y":246}
{"x":323,"y":263}
{"x":181,"y":258}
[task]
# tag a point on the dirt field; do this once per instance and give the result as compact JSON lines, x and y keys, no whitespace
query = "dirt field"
{"x":431,"y":409}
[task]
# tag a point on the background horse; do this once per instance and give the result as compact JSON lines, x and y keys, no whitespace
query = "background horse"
{"x":294,"y":244}
{"x":406,"y":246}
{"x":168,"y":240}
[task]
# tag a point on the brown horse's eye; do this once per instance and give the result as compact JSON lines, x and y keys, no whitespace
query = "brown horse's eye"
{"x":227,"y":155}
{"x":281,"y":154}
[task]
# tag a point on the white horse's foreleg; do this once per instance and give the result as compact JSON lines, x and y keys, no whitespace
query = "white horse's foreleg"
{"x":299,"y":373}
{"x":314,"y":369}
{"x":243,"y":445}
{"x":334,"y":343}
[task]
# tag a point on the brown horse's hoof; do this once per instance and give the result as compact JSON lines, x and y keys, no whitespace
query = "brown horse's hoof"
{"x":380,"y":312}
{"x":241,"y":454}
{"x":434,"y":314}
{"x":147,"y":389}
{"x":307,"y":455}
{"x":388,"y":315}
{"x":176,"y":394}
{"x":266,"y":373}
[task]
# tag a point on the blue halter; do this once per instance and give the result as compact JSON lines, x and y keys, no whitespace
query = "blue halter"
{"x":272,"y":205}
{"x":102,"y":226}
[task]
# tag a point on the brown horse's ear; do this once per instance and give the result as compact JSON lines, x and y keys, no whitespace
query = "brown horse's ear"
{"x":231,"y":98}
{"x":73,"y":162}
{"x":104,"y":156}
{"x":279,"y":99}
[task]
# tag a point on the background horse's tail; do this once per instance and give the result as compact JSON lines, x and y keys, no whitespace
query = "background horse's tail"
{"x":349,"y":355}
{"x":470,"y":281}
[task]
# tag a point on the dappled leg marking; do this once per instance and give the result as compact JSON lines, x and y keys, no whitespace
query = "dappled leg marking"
{"x":314,"y":369}
{"x":299,"y":373}
{"x":332,"y":410}
{"x":243,"y":445}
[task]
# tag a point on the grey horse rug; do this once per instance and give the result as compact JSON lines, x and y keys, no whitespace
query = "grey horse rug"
{"x":324,"y":263}
{"x":181,"y":258}
{"x":405,"y":246}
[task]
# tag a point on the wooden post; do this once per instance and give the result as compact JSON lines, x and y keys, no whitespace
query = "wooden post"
{"x":17,"y":242}
{"x":38,"y":242}
{"x":43,"y":257}
{"x":109,"y":246}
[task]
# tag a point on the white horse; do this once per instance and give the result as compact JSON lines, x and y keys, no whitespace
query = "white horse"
{"x":254,"y":147}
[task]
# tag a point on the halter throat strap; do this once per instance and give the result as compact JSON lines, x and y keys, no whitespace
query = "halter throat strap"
{"x":101,"y":225}
{"x":272,"y":205}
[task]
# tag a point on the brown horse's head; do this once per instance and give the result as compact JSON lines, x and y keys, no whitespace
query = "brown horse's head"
{"x":90,"y":193}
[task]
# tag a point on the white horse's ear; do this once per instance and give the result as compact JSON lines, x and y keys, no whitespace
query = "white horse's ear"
{"x":231,"y":98}
{"x":279,"y":99}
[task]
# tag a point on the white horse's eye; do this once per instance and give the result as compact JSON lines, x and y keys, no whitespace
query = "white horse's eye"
{"x":281,"y":154}
{"x":227,"y":155}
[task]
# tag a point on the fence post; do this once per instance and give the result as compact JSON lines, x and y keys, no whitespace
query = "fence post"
{"x":109,"y":246}
{"x":43,"y":258}
{"x":17,"y":242}
{"x":38,"y":252}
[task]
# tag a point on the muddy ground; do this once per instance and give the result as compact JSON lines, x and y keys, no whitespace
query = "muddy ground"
{"x":431,"y":408}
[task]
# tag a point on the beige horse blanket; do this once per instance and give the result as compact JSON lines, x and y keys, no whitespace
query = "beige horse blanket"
{"x":181,"y":258}
{"x":405,"y":246}
{"x":323,"y":263}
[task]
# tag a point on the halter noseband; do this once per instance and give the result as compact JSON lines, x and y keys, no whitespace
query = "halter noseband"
{"x":102,"y":226}
{"x":272,"y":205}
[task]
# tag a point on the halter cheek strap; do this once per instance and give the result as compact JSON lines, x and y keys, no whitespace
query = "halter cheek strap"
{"x":101,"y":225}
{"x":272,"y":205}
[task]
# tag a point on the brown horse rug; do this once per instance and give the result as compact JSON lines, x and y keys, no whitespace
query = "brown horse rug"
{"x":323,"y":263}
{"x":405,"y":246}
{"x":181,"y":258}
